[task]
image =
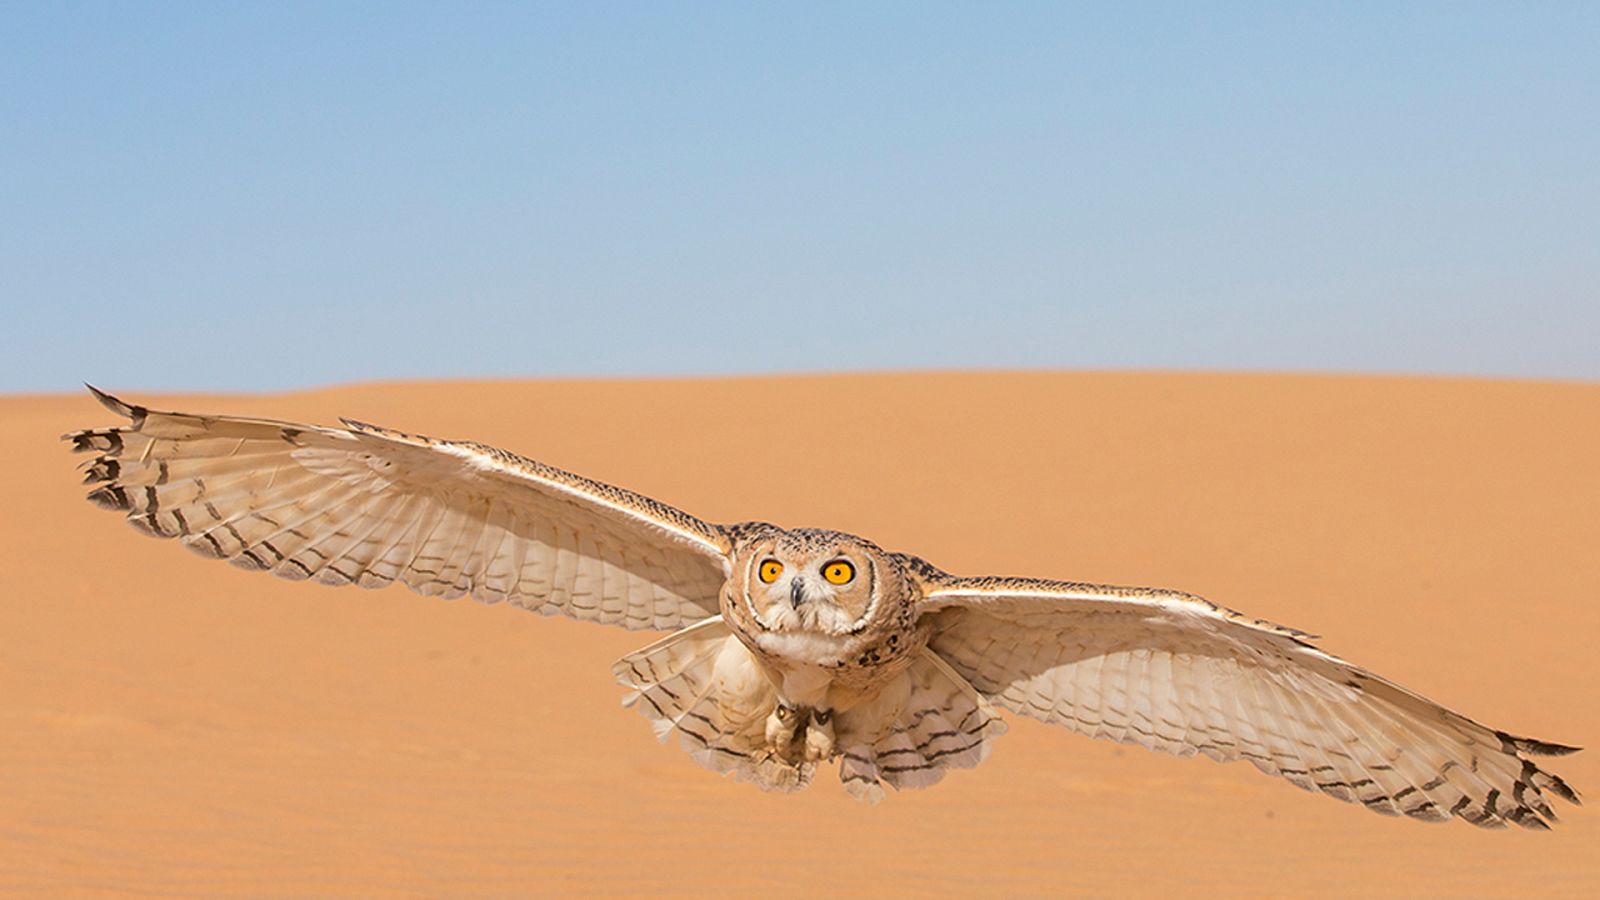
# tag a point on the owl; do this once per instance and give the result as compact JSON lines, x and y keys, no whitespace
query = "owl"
{"x":794,"y":649}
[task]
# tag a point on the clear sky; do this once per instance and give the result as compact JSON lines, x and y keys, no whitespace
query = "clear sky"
{"x":274,"y":195}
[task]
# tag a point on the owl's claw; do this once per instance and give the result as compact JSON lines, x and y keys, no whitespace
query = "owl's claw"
{"x":796,"y":734}
{"x":819,"y":736}
{"x":781,"y":727}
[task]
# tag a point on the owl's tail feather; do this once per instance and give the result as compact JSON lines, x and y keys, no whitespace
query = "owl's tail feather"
{"x":917,"y":729}
{"x":701,"y":684}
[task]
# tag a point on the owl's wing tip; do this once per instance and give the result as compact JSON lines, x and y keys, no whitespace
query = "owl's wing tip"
{"x":121,"y":408}
{"x":1536,"y":746}
{"x":106,"y":399}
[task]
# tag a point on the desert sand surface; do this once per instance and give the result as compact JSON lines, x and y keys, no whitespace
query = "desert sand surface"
{"x":172,"y":726}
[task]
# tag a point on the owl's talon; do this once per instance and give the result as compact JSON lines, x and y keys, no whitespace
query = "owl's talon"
{"x":819,"y":737}
{"x":780,"y":730}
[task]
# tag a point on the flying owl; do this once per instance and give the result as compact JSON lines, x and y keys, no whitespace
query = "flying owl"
{"x":796,"y":648}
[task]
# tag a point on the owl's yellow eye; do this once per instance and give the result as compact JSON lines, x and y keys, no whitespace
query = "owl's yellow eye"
{"x":839,"y":572}
{"x":770,"y":570}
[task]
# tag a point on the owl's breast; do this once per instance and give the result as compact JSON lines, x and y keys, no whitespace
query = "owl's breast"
{"x":856,"y":662}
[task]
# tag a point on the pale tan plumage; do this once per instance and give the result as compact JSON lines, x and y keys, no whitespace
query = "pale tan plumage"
{"x":846,"y":653}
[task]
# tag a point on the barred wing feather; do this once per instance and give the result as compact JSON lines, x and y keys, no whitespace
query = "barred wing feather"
{"x":369,"y":506}
{"x":1173,"y":672}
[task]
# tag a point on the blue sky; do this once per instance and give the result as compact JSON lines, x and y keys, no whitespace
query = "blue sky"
{"x":275,"y":195}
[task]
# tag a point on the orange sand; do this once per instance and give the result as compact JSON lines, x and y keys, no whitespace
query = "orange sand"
{"x":170,"y":725}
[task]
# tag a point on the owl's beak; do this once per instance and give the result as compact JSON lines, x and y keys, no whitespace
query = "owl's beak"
{"x":797,"y":593}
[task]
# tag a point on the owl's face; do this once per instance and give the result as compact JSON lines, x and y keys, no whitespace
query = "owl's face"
{"x":812,"y":581}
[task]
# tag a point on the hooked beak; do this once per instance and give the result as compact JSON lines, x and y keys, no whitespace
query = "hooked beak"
{"x":797,"y":592}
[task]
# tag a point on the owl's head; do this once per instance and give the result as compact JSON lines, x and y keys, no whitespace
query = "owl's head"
{"x":813,"y":581}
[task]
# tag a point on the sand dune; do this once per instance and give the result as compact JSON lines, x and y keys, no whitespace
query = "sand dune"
{"x":169,"y":725}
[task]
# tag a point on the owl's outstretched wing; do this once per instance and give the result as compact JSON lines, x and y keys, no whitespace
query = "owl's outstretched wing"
{"x":1176,"y":673}
{"x":369,"y":506}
